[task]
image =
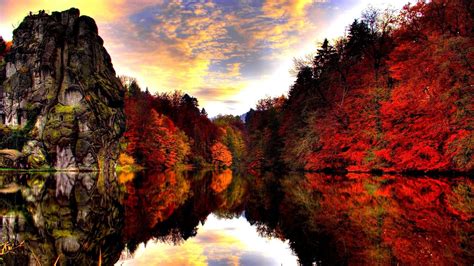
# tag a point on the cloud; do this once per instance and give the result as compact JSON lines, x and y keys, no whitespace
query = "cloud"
{"x":217,"y":50}
{"x":215,"y":93}
{"x":233,"y":69}
{"x":156,"y":253}
{"x":230,"y":102}
{"x":196,"y":45}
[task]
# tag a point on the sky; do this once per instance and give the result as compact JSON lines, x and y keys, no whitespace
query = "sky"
{"x":228,"y":54}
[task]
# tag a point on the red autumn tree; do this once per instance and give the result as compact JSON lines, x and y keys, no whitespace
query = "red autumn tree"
{"x":428,"y":116}
{"x":232,"y":135}
{"x":184,"y":112}
{"x":193,"y":126}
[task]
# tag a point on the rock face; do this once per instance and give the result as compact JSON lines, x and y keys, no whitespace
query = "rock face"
{"x":58,"y":85}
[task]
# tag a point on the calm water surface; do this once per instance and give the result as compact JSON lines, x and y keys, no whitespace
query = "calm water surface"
{"x":225,"y":218}
{"x":220,"y":241}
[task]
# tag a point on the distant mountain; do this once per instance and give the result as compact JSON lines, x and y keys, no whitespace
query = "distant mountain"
{"x":244,"y":116}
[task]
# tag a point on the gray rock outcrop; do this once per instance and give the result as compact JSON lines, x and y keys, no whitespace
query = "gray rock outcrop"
{"x":58,"y":86}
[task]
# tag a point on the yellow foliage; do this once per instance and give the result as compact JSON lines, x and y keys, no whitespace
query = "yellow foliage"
{"x":125,"y":176}
{"x":125,"y":159}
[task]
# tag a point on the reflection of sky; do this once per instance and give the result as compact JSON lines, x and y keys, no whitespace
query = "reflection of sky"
{"x":218,"y":242}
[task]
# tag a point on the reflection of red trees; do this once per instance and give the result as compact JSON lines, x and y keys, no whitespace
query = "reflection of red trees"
{"x":168,"y":206}
{"x":366,"y":220}
{"x":153,"y":200}
{"x":430,"y":231}
{"x":221,"y":180}
{"x":394,"y":219}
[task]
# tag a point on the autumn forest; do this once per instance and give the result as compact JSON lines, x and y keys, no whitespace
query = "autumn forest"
{"x":394,"y":95}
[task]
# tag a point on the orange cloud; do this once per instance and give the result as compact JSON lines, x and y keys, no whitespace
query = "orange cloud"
{"x":233,"y":70}
{"x":281,"y":8}
{"x":189,"y":253}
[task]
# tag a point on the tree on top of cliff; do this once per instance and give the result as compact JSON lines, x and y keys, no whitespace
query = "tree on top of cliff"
{"x":4,"y":47}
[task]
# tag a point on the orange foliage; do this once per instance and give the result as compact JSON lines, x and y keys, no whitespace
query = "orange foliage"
{"x":125,"y":159}
{"x":221,"y":155}
{"x":155,"y":199}
{"x":125,"y":176}
{"x":365,"y":220}
{"x":221,"y":180}
{"x":153,"y":139}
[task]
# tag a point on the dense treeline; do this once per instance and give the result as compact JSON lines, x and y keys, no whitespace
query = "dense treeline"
{"x":4,"y":47}
{"x":394,"y":94}
{"x":168,"y":129}
{"x":231,"y":131}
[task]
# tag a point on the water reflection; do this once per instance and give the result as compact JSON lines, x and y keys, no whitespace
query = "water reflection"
{"x":63,"y":218}
{"x":170,"y":205}
{"x":218,"y":242}
{"x":363,"y":219}
{"x":207,"y":216}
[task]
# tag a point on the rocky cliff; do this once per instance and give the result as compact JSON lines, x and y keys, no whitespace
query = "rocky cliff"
{"x":61,"y":102}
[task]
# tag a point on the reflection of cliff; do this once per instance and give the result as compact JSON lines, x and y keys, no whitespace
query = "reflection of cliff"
{"x":63,"y":217}
{"x":361,"y":219}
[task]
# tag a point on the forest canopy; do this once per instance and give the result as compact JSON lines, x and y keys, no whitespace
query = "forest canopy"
{"x":394,"y":94}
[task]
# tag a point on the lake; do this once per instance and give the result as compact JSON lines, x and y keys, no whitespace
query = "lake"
{"x":229,"y":218}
